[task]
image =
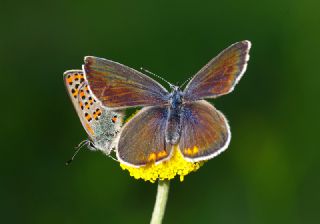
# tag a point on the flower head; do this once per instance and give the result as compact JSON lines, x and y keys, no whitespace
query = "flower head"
{"x":165,"y":170}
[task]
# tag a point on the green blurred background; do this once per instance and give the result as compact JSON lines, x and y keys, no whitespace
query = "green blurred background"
{"x":269,"y":174}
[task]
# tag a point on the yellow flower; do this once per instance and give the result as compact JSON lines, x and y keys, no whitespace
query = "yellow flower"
{"x":166,"y":170}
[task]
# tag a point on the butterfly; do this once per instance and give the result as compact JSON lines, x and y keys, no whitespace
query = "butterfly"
{"x":101,"y":124}
{"x":178,"y":117}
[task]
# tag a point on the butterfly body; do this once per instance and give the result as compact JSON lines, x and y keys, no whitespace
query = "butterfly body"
{"x":173,"y":125}
{"x":178,"y":117}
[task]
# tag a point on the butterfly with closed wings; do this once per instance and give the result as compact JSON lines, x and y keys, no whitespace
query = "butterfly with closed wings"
{"x":101,"y":124}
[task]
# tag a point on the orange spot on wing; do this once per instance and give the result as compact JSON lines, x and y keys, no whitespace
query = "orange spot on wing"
{"x":157,"y":156}
{"x":88,"y":117}
{"x":152,"y":157}
{"x":75,"y":93}
{"x":73,"y":77}
{"x":88,"y":127}
{"x":162,"y":154}
{"x":191,"y":151}
{"x":69,"y":79}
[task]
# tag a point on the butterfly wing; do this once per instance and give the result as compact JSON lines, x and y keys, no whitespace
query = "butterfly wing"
{"x":205,"y":131}
{"x":100,"y":124}
{"x":142,"y":139}
{"x":118,"y":86}
{"x":221,"y":74}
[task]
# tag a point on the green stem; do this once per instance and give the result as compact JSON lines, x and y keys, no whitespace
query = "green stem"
{"x":161,"y":200}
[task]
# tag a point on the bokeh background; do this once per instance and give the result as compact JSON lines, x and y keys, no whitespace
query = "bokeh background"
{"x":269,"y":174}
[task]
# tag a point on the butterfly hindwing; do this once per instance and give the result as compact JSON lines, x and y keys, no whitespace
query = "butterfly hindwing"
{"x":118,"y":86}
{"x":205,"y":131}
{"x":142,"y":139}
{"x":100,"y":124}
{"x":220,"y":75}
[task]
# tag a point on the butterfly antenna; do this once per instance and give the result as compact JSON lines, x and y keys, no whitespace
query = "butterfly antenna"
{"x":185,"y":82}
{"x":159,"y":77}
{"x":77,"y":148}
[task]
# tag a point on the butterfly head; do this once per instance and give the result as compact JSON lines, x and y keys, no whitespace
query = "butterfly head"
{"x":175,"y":88}
{"x":176,"y":96}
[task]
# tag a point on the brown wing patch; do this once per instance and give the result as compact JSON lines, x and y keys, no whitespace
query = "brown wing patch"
{"x":205,"y":131}
{"x":118,"y":86}
{"x":142,"y":139}
{"x":221,"y":74}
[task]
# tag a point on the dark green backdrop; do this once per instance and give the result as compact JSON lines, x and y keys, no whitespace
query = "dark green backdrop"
{"x":269,"y":174}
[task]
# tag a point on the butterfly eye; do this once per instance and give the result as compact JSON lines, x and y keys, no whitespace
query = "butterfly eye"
{"x":91,"y":145}
{"x":114,"y":119}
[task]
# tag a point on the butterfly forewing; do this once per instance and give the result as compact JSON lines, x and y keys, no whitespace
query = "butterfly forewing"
{"x":205,"y":131}
{"x":118,"y":86}
{"x":142,"y":139}
{"x":100,"y":124}
{"x":221,"y":74}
